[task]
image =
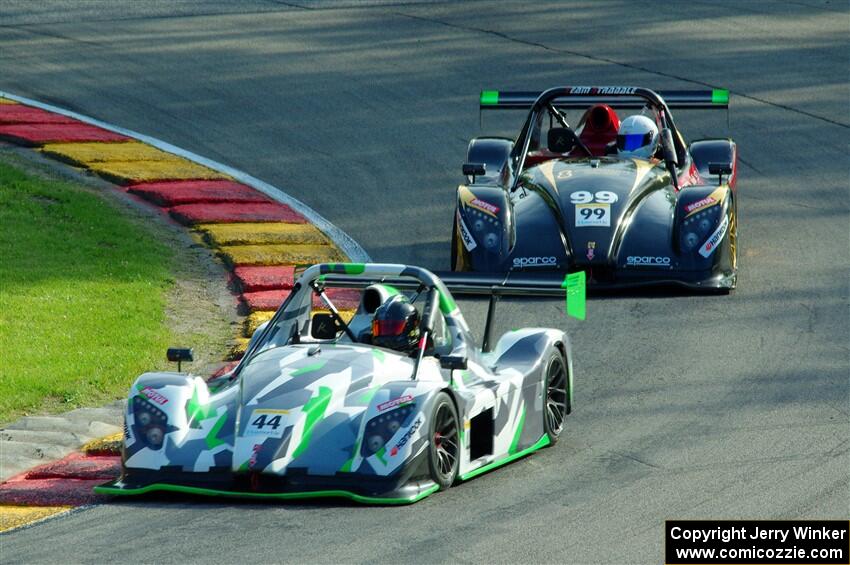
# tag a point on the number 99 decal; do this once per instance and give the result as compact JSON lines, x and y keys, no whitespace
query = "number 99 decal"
{"x":593,"y":215}
{"x":586,"y":197}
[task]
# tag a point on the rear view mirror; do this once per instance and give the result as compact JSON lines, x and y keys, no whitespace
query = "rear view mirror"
{"x":720,"y":169}
{"x":323,"y":326}
{"x":560,"y":140}
{"x":453,"y":362}
{"x":668,"y":148}
{"x":178,"y":355}
{"x":474,"y":170}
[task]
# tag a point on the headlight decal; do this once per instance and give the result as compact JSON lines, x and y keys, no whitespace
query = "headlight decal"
{"x":697,"y":227}
{"x":382,"y":428}
{"x":150,"y":423}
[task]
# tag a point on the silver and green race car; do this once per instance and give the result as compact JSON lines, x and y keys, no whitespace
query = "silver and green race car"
{"x":314,"y":410}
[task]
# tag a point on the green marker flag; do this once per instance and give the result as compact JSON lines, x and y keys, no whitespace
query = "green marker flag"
{"x":575,"y":285}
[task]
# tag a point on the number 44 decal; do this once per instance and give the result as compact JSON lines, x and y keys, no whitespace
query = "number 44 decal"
{"x":261,"y":422}
{"x":586,"y":197}
{"x":266,"y":422}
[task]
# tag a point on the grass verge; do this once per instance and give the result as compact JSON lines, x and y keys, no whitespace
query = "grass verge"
{"x":85,"y":294}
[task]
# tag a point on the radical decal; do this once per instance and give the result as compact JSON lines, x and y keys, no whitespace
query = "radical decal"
{"x":711,"y":243}
{"x":521,"y":262}
{"x":154,"y":396}
{"x":395,"y":402}
{"x":266,"y":422}
{"x":591,"y":247}
{"x":648,"y":261}
{"x":593,"y":215}
{"x":465,"y":235}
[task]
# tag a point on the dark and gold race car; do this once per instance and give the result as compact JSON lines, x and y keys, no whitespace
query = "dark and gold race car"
{"x":565,"y":199}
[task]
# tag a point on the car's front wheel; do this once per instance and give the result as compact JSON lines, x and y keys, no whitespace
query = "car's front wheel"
{"x":556,"y":396}
{"x":444,"y":447}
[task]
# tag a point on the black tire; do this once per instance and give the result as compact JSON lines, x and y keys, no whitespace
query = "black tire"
{"x":556,"y":380}
{"x":443,"y":445}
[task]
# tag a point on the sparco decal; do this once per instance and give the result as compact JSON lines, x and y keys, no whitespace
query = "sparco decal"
{"x":465,"y":235}
{"x":154,"y":396}
{"x":407,"y":435}
{"x":534,"y":261}
{"x":484,"y":206}
{"x":648,"y":260}
{"x":711,"y":243}
{"x":394,"y":402}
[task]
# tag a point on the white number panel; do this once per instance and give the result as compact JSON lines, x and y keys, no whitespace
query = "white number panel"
{"x":593,"y":215}
{"x":265,"y":422}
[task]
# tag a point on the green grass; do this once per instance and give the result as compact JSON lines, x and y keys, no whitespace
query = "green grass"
{"x":83,"y":292}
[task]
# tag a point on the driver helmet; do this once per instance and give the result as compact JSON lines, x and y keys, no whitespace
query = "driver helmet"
{"x":396,"y":325}
{"x":637,"y":137}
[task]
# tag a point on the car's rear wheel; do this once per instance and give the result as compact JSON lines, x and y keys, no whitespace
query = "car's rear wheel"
{"x":444,"y":448}
{"x":556,"y":396}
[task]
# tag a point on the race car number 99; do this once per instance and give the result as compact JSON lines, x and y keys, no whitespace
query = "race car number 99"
{"x":585,"y":197}
{"x":593,"y":215}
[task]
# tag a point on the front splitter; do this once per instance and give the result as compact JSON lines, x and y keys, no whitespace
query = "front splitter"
{"x":117,"y":488}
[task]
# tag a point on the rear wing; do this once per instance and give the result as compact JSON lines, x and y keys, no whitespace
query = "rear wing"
{"x":512,"y":283}
{"x":627,"y":97}
{"x":572,"y":286}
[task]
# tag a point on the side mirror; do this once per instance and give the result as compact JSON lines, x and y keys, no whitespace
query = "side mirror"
{"x":720,"y":169}
{"x":323,"y":326}
{"x":452,"y":362}
{"x":668,"y":148}
{"x":474,"y":170}
{"x":178,"y":355}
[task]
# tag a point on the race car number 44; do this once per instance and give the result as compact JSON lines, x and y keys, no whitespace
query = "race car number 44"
{"x":595,"y":214}
{"x":266,"y":422}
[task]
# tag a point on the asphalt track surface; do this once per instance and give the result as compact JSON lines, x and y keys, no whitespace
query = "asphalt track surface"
{"x":687,"y":406}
